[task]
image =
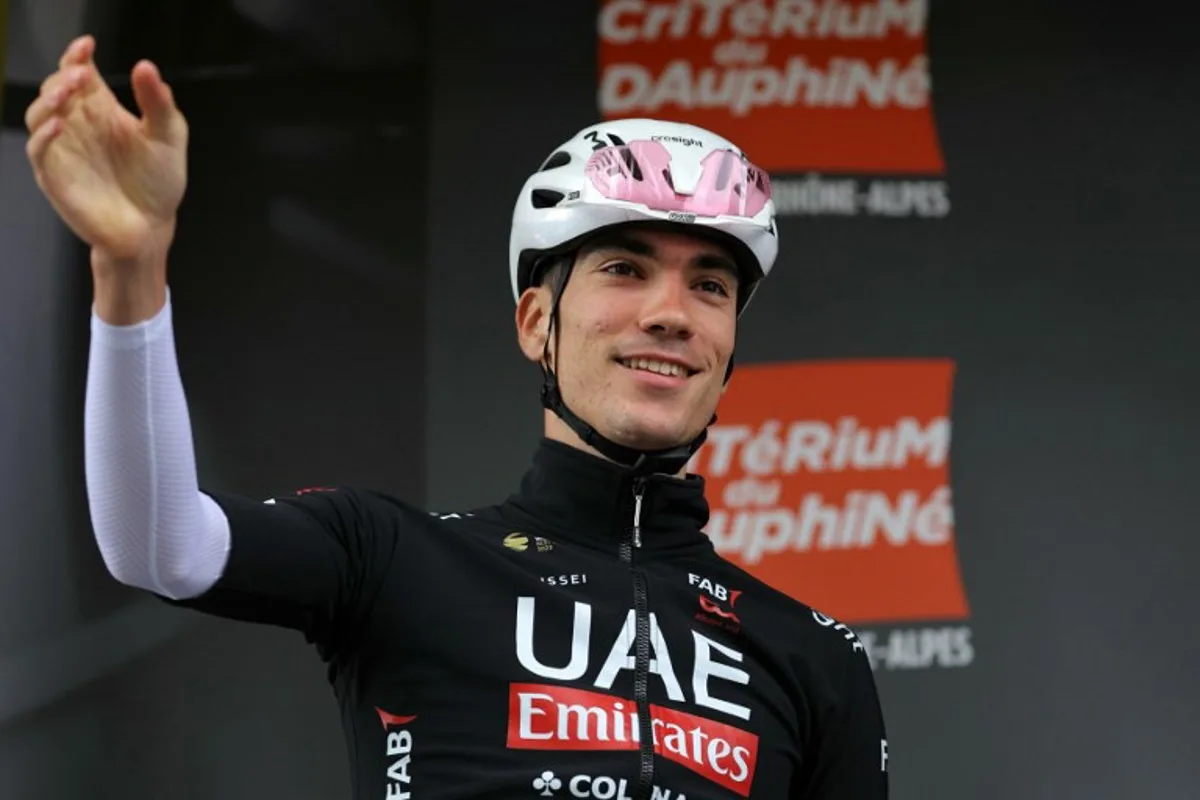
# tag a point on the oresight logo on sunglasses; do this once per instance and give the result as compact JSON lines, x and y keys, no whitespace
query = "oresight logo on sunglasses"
{"x":825,"y":85}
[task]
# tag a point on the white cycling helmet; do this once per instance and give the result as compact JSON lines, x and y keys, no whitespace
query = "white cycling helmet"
{"x":645,"y":171}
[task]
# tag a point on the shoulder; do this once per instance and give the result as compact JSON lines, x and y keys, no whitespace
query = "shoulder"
{"x":345,"y":511}
{"x":392,"y":511}
{"x":803,"y":632}
{"x":372,"y":525}
{"x":344,"y":504}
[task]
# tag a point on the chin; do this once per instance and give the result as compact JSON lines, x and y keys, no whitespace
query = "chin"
{"x":649,"y":434}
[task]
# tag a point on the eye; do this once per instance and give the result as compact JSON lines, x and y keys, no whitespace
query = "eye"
{"x":714,"y":286}
{"x":620,"y":268}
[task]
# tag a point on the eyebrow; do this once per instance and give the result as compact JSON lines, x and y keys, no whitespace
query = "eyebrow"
{"x":632,"y":244}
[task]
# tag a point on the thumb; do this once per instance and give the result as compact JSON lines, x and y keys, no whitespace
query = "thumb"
{"x":156,"y":101}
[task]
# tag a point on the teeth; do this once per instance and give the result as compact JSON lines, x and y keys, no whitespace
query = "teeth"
{"x":660,"y":367}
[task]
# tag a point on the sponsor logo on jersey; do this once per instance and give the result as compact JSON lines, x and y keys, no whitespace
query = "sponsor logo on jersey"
{"x":818,"y":88}
{"x":398,"y":743}
{"x":850,"y":636}
{"x":523,"y":541}
{"x":451,"y":515}
{"x":716,"y":603}
{"x":568,"y":579}
{"x":713,"y":588}
{"x":549,"y":717}
{"x":710,"y":607}
{"x":599,"y":787}
{"x":545,"y":715}
{"x":547,"y":783}
{"x":830,"y":482}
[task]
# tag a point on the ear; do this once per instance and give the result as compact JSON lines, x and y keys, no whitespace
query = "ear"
{"x":533,"y":322}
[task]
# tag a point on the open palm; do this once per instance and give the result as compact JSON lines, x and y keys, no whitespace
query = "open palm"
{"x":116,"y":179}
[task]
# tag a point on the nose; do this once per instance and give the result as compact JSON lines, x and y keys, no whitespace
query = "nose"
{"x":665,"y":312}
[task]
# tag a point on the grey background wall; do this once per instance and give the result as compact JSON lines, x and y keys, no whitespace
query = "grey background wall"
{"x":297,"y":282}
{"x":1062,"y":284}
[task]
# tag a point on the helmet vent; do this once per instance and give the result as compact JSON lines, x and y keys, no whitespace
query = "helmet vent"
{"x":631,"y":163}
{"x":545,"y":198}
{"x":556,"y":160}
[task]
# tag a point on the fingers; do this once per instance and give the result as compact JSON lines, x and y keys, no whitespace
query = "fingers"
{"x":149,"y":90}
{"x":156,"y":101}
{"x":55,"y":97}
{"x":79,"y":51}
{"x":40,"y":141}
{"x":45,"y":117}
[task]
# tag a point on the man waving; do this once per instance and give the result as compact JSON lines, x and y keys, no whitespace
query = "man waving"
{"x":578,"y":638}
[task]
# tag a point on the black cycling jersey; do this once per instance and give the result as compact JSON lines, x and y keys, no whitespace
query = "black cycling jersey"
{"x":581,"y":639}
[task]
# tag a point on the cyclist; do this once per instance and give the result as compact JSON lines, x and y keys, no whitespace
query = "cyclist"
{"x":579,"y":638}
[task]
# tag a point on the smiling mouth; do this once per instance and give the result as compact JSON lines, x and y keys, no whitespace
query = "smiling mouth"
{"x":657,"y":367}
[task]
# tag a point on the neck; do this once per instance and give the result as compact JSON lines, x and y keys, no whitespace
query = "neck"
{"x":557,"y":430}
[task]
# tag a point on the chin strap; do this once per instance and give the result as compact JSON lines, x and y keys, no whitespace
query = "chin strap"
{"x":641,"y":462}
{"x":668,"y":461}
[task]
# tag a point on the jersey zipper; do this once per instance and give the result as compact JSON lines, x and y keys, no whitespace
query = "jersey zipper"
{"x":641,"y":671}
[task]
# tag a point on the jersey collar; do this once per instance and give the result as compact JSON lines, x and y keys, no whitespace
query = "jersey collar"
{"x":589,"y":500}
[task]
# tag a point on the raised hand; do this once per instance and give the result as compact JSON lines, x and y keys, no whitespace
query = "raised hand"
{"x":116,"y":179}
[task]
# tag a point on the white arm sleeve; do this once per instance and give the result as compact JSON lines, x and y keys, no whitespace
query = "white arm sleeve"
{"x":155,"y":528}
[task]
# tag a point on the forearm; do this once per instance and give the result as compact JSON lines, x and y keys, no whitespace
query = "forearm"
{"x":154,"y":528}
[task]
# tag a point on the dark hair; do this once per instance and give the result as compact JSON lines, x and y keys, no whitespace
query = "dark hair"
{"x":553,"y":271}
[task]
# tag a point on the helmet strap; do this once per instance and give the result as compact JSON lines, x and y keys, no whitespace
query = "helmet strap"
{"x":668,"y":461}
